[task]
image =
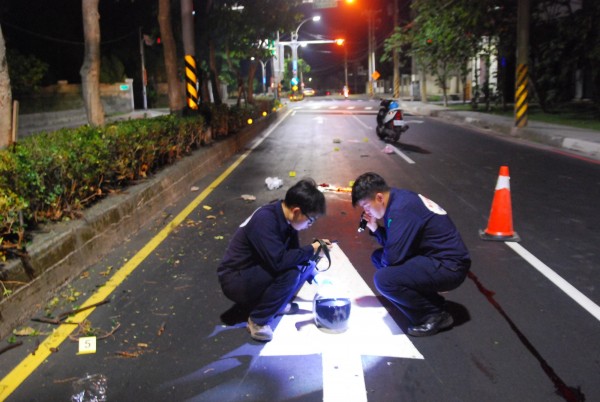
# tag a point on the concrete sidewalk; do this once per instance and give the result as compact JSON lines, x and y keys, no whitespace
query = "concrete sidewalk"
{"x":583,"y":142}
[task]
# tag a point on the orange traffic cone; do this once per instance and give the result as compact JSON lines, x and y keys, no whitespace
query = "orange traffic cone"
{"x":500,"y":224}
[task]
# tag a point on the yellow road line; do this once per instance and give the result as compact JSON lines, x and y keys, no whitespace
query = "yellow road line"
{"x":28,"y":365}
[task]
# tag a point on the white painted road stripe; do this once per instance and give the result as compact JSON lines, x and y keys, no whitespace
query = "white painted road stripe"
{"x":361,"y":123}
{"x":565,"y":286}
{"x":371,"y":332}
{"x":402,"y":155}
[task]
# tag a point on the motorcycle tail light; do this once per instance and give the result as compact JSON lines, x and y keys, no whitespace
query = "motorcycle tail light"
{"x":398,"y":115}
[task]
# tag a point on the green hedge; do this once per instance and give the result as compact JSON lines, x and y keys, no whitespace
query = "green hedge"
{"x":53,"y":176}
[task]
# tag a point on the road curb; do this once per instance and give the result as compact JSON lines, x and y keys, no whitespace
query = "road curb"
{"x":63,"y":250}
{"x":555,"y":139}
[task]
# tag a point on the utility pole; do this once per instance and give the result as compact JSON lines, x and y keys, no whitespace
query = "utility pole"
{"x":396,"y":57}
{"x":144,"y":74}
{"x":187,"y":27}
{"x":277,"y":65}
{"x":346,"y":67}
{"x":264,"y":76}
{"x":522,"y":75}
{"x":371,"y":52}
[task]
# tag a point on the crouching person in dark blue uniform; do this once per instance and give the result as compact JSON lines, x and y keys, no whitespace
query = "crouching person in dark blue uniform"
{"x":422,"y":252}
{"x":264,"y":266}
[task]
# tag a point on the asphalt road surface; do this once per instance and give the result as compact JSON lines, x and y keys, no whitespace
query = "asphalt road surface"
{"x":527,"y":319}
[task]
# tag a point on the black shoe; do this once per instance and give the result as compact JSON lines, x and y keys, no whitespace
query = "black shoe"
{"x":433,"y":325}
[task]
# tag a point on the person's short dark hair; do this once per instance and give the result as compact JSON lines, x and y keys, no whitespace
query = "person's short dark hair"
{"x":306,"y":196}
{"x":366,"y":186}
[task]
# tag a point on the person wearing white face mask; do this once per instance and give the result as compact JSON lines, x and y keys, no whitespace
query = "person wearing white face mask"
{"x":422,"y":252}
{"x":264,"y":265}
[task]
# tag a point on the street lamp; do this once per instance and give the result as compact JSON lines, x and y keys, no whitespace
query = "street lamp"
{"x":264,"y":73}
{"x":294,"y":44}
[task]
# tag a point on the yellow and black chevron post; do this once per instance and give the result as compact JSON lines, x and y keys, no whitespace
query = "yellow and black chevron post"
{"x":191,"y":89}
{"x":521,"y":102}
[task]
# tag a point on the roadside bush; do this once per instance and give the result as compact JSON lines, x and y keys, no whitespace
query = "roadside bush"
{"x":239,"y":115}
{"x":11,"y":232}
{"x":52,"y":176}
{"x":59,"y":172}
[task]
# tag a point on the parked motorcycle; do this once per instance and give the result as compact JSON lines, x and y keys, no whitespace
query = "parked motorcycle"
{"x":390,"y":121}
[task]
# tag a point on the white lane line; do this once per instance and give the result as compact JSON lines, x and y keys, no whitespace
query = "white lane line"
{"x":361,"y":123}
{"x":371,"y":332}
{"x":562,"y":284}
{"x":402,"y":155}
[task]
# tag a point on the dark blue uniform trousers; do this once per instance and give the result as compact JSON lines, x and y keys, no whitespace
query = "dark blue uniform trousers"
{"x":413,"y":286}
{"x":264,"y":293}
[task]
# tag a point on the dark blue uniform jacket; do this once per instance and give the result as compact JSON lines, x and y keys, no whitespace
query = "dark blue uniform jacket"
{"x":267,"y":239}
{"x":414,"y":225}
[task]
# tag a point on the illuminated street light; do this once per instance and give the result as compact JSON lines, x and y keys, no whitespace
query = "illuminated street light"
{"x":294,"y":44}
{"x":264,"y":73}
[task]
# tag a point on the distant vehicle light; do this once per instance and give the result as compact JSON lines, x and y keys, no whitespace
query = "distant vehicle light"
{"x":308,"y":92}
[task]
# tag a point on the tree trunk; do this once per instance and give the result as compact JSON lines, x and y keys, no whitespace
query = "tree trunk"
{"x":5,"y":98}
{"x":241,"y":90}
{"x":90,"y":70}
{"x":250,"y":83}
{"x":423,"y":85}
{"x":176,"y":97}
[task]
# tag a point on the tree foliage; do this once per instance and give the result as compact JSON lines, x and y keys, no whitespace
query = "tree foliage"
{"x":446,"y":37}
{"x":26,"y":71}
{"x":242,"y":32}
{"x":564,"y":42}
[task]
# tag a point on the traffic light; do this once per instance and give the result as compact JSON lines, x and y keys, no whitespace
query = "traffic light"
{"x":339,"y":42}
{"x":271,"y":47}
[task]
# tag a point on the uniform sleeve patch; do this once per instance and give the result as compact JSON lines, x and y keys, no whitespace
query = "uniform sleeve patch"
{"x":432,"y":206}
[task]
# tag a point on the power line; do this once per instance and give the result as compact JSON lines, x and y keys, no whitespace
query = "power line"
{"x":64,"y":41}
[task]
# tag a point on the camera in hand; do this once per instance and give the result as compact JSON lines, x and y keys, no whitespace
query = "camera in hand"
{"x":363,"y":223}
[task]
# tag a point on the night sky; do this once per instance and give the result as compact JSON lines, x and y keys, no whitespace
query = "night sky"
{"x":52,"y":31}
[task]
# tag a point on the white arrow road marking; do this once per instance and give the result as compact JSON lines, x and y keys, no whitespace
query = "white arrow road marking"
{"x":371,"y":332}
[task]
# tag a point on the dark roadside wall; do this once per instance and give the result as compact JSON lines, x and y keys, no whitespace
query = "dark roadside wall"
{"x":65,"y":249}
